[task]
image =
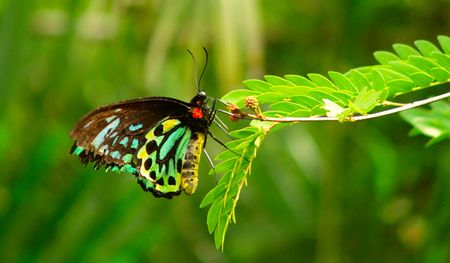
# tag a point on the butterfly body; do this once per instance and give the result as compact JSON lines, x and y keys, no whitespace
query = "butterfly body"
{"x":157,"y":139}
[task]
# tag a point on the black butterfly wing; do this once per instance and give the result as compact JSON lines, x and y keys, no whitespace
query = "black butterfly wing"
{"x":111,"y":135}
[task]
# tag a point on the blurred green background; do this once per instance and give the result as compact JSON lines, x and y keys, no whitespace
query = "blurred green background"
{"x":360,"y":192}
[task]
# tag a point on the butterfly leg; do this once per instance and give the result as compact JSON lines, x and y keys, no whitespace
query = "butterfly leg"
{"x":226,"y":147}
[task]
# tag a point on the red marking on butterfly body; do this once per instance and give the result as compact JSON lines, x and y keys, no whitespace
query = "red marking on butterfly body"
{"x":197,"y":113}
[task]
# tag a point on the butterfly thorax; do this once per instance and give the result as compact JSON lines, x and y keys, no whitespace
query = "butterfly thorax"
{"x":200,"y":116}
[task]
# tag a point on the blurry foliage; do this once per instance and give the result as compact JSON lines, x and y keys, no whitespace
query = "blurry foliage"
{"x":434,"y":123}
{"x":323,"y":192}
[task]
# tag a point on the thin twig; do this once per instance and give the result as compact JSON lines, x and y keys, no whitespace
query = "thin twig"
{"x":350,"y":118}
{"x":391,"y":103}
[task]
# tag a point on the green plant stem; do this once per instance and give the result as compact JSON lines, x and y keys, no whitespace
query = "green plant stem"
{"x":350,"y":118}
{"x":392,"y":103}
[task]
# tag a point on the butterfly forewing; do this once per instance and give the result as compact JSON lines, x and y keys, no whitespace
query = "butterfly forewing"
{"x":106,"y":135}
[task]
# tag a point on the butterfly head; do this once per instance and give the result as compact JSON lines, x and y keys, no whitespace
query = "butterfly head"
{"x":199,"y":108}
{"x":199,"y":99}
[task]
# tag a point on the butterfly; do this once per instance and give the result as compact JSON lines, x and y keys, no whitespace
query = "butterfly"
{"x":157,"y":139}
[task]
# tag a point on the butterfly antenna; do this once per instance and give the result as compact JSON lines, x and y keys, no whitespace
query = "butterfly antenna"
{"x":199,"y":80}
{"x":226,"y":147}
{"x":204,"y":68}
{"x":195,"y":68}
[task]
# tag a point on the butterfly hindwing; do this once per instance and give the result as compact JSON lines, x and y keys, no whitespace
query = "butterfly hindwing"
{"x":161,"y":158}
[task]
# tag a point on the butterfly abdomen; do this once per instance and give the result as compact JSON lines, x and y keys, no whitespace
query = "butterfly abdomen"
{"x":189,"y":170}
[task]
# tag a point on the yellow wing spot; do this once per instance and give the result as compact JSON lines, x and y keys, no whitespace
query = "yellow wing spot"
{"x":150,"y":135}
{"x":142,"y":153}
{"x":145,"y":173}
{"x":169,"y":124}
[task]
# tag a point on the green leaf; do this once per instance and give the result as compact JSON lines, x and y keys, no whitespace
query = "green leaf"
{"x":243,"y":133}
{"x":219,"y":235}
{"x":404,"y":51}
{"x":422,"y":78}
{"x":341,"y":81}
{"x":320,"y":95}
{"x":257,"y":85}
{"x":426,"y":47}
{"x":441,"y":107}
{"x":307,"y":101}
{"x":269,"y":97}
{"x":442,"y":59}
{"x":237,"y":96}
{"x":213,"y":216}
{"x":300,"y":81}
{"x":286,"y":106}
{"x":275,"y":80}
{"x":212,"y":195}
{"x":444,"y":41}
{"x":405,"y":68}
{"x":358,"y":79}
{"x":440,"y":74}
{"x":434,"y":123}
{"x":321,"y":81}
{"x":391,"y":74}
{"x":223,"y":156}
{"x":442,"y":137}
{"x":422,"y":63}
{"x":366,"y":101}
{"x":275,"y":114}
{"x":399,"y":86}
{"x":384,"y":57}
{"x":290,"y":91}
{"x":378,"y":82}
{"x":225,"y":165}
{"x":343,"y":95}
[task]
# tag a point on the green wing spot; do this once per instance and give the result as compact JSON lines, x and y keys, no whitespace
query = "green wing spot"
{"x":135,"y":144}
{"x":78,"y":150}
{"x":127,"y":158}
{"x":146,"y":184}
{"x":115,"y":155}
{"x":171,"y":140}
{"x":128,"y":169}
